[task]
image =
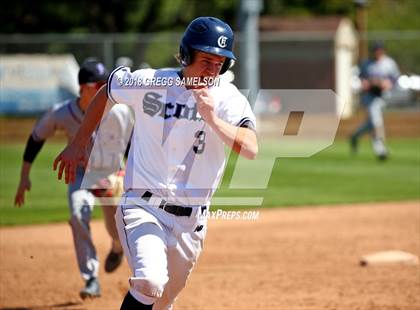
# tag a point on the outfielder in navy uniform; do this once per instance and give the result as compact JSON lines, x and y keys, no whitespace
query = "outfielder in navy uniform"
{"x":67,"y":117}
{"x":176,"y":158}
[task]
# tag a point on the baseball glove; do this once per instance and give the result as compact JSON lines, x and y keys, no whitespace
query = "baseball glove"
{"x":376,"y":91}
{"x":111,"y":186}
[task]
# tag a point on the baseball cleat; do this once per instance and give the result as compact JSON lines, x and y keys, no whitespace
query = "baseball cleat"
{"x":354,"y":145}
{"x":91,"y":290}
{"x":113,"y":261}
{"x":382,"y":157}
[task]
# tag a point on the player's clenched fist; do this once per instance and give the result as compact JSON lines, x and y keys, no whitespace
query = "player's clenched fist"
{"x":205,"y":104}
{"x":68,"y":160}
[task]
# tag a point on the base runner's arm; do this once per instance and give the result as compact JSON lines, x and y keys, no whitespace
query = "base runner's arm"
{"x":68,"y":160}
{"x":240,"y":139}
{"x":97,"y":107}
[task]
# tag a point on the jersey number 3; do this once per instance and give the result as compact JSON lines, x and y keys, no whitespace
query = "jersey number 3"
{"x":199,"y":143}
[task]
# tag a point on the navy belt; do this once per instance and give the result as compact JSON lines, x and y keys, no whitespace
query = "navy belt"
{"x":171,"y":208}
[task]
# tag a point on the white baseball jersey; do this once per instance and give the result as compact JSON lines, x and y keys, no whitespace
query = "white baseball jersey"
{"x":174,"y":153}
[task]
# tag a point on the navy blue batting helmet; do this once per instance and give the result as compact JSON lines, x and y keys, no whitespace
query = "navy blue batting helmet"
{"x":92,"y":71}
{"x":209,"y":35}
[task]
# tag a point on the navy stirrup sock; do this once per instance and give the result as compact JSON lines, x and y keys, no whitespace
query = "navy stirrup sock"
{"x":130,"y":303}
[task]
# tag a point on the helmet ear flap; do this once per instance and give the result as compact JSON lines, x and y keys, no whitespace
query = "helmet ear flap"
{"x":226,"y":65}
{"x":185,"y":55}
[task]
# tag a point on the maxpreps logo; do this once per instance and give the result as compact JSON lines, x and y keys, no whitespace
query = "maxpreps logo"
{"x":153,"y":106}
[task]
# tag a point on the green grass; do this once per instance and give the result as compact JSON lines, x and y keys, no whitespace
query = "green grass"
{"x":330,"y":177}
{"x":333,"y":176}
{"x":47,"y":200}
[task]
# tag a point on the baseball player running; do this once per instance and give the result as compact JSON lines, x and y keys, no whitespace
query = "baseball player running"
{"x":378,"y":76}
{"x":176,"y":158}
{"x":68,"y":117}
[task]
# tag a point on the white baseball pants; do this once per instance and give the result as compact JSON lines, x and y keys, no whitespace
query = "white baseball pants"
{"x":161,"y":249}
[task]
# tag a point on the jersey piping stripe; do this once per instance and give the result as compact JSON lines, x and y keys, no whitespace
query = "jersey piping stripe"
{"x":125,"y":232}
{"x":73,"y":114}
{"x":247,"y":123}
{"x":108,"y":87}
{"x":245,"y":119}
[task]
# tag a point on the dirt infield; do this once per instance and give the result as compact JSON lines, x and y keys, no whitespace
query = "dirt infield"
{"x":304,"y":258}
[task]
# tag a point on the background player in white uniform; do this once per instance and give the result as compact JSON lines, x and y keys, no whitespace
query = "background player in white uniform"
{"x":176,"y":160}
{"x":378,"y":75}
{"x":68,"y":117}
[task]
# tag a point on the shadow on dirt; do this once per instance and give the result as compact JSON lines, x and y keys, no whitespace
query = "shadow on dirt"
{"x":71,"y":305}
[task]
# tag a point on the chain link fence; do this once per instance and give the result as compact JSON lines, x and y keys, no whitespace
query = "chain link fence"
{"x":296,"y":50}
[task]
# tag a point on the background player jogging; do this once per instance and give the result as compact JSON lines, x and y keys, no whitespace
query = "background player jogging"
{"x":67,"y":117}
{"x":176,"y":159}
{"x":378,"y":76}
